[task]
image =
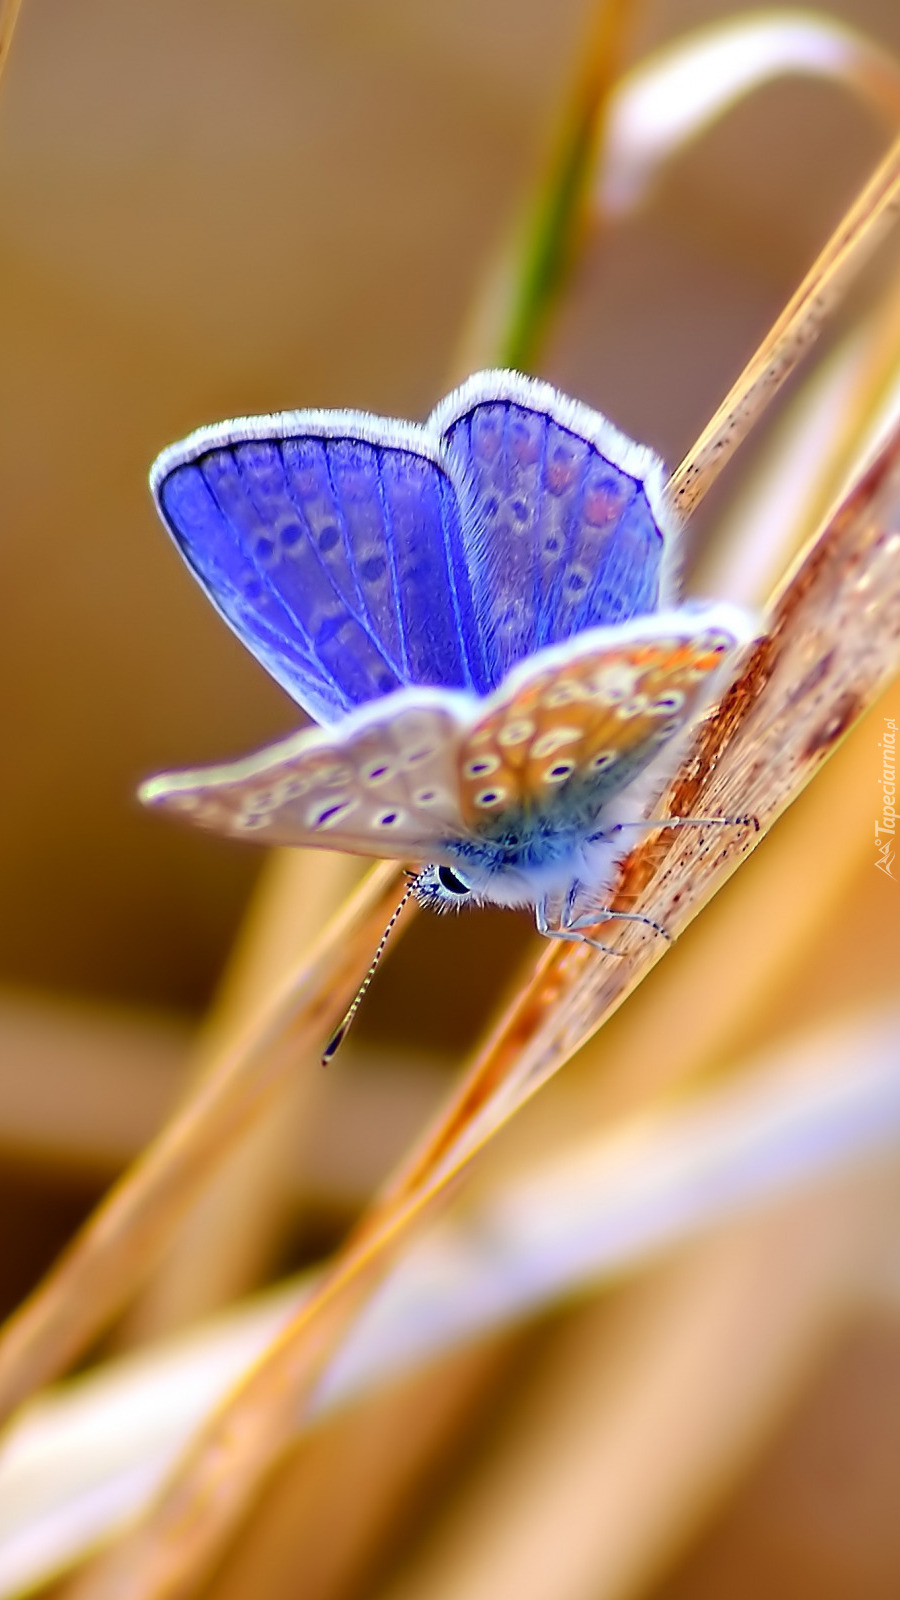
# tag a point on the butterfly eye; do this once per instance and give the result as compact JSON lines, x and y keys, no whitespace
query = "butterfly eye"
{"x":449,"y":881}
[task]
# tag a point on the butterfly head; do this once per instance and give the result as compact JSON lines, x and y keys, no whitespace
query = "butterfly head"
{"x":441,"y":888}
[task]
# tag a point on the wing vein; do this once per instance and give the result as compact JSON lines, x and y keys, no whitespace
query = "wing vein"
{"x":387,"y":518}
{"x":243,"y":547}
{"x":363,"y":617}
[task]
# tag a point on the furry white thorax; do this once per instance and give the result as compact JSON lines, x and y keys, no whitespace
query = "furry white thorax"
{"x":582,"y":879}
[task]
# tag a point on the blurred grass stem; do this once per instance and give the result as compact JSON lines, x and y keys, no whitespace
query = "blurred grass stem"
{"x":9,"y":13}
{"x":511,"y":320}
{"x":796,"y":330}
{"x":116,"y":1248}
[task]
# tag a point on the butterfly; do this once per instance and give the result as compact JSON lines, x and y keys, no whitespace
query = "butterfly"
{"x":482,"y":615}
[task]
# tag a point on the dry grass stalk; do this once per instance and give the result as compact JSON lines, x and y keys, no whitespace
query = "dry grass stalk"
{"x":224,"y":1244}
{"x":95,"y":1276}
{"x":833,"y":647}
{"x":867,"y":403}
{"x":9,"y":12}
{"x":793,"y":334}
{"x":716,"y":985}
{"x":360,"y":1482}
{"x":670,"y":98}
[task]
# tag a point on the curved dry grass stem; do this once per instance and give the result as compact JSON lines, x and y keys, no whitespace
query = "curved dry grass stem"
{"x":796,"y":330}
{"x":9,"y":15}
{"x":834,"y":644}
{"x":120,"y":1242}
{"x":223,"y":1244}
{"x":669,"y":99}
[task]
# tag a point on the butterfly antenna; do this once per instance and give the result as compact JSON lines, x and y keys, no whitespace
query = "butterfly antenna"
{"x":340,"y":1033}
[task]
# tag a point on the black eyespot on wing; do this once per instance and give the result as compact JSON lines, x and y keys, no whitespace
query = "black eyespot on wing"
{"x":449,"y":881}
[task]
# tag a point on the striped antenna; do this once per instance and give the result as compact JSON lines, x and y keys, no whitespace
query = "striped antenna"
{"x":340,"y":1033}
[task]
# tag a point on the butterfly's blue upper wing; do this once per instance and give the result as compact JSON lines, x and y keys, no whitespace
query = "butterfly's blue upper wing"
{"x":332,"y":544}
{"x":355,"y":555}
{"x":566,"y":527}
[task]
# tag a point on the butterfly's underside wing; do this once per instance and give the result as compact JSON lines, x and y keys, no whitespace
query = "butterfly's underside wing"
{"x":419,"y":772}
{"x":576,"y":728}
{"x":355,"y":556}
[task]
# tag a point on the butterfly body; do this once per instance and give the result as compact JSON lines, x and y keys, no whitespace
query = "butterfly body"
{"x":480,"y":613}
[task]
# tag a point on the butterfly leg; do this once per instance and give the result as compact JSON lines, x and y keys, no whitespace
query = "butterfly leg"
{"x":683,"y":822}
{"x":571,"y":934}
{"x":589,"y":919}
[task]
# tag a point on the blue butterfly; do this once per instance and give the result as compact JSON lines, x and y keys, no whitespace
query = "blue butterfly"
{"x":482,"y":615}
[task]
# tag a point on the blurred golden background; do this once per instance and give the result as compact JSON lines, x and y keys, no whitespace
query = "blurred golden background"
{"x":220,"y":210}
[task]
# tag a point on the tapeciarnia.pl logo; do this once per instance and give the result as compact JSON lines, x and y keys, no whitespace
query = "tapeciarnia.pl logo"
{"x":884,"y":846}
